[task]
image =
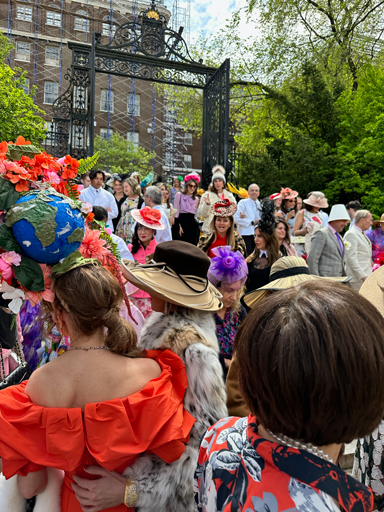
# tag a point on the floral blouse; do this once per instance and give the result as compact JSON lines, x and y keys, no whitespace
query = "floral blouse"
{"x":240,"y":471}
{"x":124,"y":227}
{"x":376,"y":236}
{"x":226,"y":332}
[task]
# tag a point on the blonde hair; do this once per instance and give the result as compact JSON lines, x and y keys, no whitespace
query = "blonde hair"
{"x":132,"y":182}
{"x":230,"y":233}
{"x":92,"y":297}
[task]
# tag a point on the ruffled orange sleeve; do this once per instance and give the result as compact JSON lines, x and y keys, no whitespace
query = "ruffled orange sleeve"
{"x":114,"y":432}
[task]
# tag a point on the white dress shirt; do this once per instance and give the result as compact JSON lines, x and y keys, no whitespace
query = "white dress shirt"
{"x":162,"y":235}
{"x":251,"y":209}
{"x":100,"y":197}
{"x":123,"y":249}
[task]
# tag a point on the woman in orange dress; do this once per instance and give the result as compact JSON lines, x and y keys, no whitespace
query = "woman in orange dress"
{"x":91,"y":405}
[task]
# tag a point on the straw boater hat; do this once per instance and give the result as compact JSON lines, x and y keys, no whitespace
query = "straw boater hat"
{"x":177,"y":274}
{"x":373,"y":289}
{"x":317,"y":199}
{"x":287,"y":272}
{"x":148,"y":217}
{"x":377,"y":222}
{"x":339,"y":212}
{"x":224,"y":208}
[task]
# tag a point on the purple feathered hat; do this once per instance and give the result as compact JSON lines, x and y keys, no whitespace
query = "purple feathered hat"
{"x":227,"y":266}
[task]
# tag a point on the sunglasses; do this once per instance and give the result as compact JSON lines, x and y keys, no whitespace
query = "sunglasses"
{"x":191,"y":185}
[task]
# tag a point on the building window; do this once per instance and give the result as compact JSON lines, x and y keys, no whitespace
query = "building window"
{"x":188,"y":161}
{"x":133,"y":106}
{"x":81,"y":21}
{"x":52,"y":55}
{"x":107,"y":101}
{"x":134,"y":138}
{"x":53,"y":19}
{"x":23,"y":51}
{"x":188,"y":138}
{"x":51,"y":92}
{"x":107,"y":27}
{"x":24,"y":13}
{"x":104,"y":133}
{"x":25,"y":85}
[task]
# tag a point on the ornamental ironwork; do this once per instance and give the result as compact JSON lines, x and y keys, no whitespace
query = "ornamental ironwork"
{"x":146,"y":49}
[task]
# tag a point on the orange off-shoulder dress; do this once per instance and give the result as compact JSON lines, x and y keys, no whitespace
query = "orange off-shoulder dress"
{"x":111,"y":434}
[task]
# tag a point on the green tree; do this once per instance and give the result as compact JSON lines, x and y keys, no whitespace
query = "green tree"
{"x":117,"y":152}
{"x":18,"y":113}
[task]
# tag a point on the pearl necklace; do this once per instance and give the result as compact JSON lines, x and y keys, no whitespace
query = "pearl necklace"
{"x":88,"y":348}
{"x":292,"y":443}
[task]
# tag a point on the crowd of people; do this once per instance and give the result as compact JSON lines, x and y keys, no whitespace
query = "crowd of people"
{"x":249,"y":353}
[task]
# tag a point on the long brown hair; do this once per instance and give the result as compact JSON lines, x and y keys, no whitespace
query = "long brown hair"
{"x":92,"y":297}
{"x":287,"y":237}
{"x":195,"y":193}
{"x":272,"y":247}
{"x":230,"y":232}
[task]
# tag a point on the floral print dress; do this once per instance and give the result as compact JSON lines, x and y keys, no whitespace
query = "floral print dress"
{"x":124,"y":227}
{"x":239,"y":471}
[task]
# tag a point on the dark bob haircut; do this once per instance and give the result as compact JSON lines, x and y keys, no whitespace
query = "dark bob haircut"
{"x":93,"y":174}
{"x":311,"y":363}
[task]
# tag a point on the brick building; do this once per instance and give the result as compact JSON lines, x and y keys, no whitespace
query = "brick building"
{"x":40,"y":31}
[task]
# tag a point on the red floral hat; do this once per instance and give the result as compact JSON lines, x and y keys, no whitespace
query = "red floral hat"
{"x":148,"y":217}
{"x":224,"y":208}
{"x":275,"y":196}
{"x":288,"y":193}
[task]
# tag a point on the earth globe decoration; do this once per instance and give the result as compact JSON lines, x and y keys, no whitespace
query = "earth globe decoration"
{"x":47,"y":225}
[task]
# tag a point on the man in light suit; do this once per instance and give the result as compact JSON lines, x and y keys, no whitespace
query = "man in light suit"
{"x":326,"y":256}
{"x":358,"y":249}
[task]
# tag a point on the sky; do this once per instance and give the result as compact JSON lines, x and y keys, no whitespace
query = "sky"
{"x":209,"y":16}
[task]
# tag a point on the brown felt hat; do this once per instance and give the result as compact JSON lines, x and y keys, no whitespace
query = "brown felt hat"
{"x":177,"y":274}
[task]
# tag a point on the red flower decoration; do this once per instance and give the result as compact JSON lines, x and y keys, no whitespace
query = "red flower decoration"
{"x":150,"y":215}
{"x":316,"y":219}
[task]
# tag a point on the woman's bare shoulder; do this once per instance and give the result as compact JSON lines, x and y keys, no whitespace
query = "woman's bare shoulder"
{"x":147,"y":368}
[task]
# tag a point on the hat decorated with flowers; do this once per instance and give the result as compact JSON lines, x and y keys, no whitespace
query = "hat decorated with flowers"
{"x":288,"y":193}
{"x":275,"y":196}
{"x":224,"y":208}
{"x":192,"y":176}
{"x":227,"y":266}
{"x":148,"y":217}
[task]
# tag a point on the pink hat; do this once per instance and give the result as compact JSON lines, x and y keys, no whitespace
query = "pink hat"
{"x":148,"y":217}
{"x":288,"y":193}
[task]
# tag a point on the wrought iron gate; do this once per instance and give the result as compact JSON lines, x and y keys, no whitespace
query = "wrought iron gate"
{"x":215,"y":122}
{"x":147,"y":50}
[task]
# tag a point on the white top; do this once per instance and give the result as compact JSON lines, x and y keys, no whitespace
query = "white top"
{"x":100,"y":197}
{"x":122,"y":246}
{"x":251,"y":209}
{"x":162,"y":235}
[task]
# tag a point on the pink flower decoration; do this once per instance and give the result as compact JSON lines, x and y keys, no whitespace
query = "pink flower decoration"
{"x":375,"y":266}
{"x":86,"y":207}
{"x":48,"y":295}
{"x":52,"y":177}
{"x":316,"y":219}
{"x":92,"y":245}
{"x":3,"y":169}
{"x":7,"y":259}
{"x":108,"y":231}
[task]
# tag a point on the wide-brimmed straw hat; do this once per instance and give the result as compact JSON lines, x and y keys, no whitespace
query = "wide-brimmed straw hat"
{"x":148,"y":217}
{"x":377,"y":222}
{"x":373,"y":289}
{"x":177,"y":274}
{"x":317,"y":199}
{"x":224,"y":208}
{"x":286,"y":272}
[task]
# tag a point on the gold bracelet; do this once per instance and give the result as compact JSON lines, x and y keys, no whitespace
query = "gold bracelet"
{"x":130,"y":495}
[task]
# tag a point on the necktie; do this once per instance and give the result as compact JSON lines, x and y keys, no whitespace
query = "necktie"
{"x":340,"y":243}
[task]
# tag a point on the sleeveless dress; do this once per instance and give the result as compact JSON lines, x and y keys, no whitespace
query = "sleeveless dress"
{"x":317,"y":221}
{"x":111,"y":434}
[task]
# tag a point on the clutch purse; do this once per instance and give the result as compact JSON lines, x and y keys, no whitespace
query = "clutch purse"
{"x":19,"y":374}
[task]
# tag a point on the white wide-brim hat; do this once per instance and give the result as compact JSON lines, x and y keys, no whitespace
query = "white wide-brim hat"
{"x":339,"y":212}
{"x":373,"y":289}
{"x":143,"y":217}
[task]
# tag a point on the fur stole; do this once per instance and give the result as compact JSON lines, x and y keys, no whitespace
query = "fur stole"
{"x":191,"y":334}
